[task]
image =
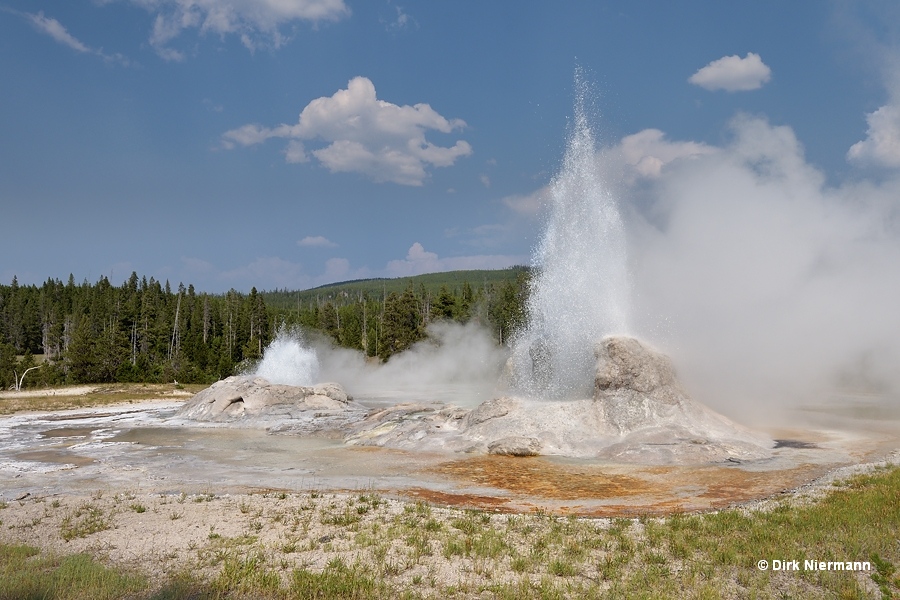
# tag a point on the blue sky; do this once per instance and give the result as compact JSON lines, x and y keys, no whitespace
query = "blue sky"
{"x":291,"y":143}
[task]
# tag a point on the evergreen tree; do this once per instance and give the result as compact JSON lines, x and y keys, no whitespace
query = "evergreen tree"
{"x":506,"y":310}
{"x":401,"y":323}
{"x":465,"y":303}
{"x":444,"y":306}
{"x":8,"y":366}
{"x":81,"y":357}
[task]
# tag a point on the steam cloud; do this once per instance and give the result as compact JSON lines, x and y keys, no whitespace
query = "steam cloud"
{"x":457,"y":364}
{"x":766,"y":284}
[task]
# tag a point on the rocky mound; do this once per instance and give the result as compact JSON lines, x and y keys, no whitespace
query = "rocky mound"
{"x":638,"y":413}
{"x":639,"y":398}
{"x":253,"y":401}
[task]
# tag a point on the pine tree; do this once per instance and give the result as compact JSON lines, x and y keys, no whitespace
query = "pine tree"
{"x":444,"y":306}
{"x":8,"y":366}
{"x":402,"y":323}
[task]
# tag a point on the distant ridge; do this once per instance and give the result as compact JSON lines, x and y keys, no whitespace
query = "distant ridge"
{"x":345,"y":291}
{"x":348,"y":282}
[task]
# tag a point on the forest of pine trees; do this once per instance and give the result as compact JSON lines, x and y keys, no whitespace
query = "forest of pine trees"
{"x":142,"y":331}
{"x":145,"y":331}
{"x":383,"y":324}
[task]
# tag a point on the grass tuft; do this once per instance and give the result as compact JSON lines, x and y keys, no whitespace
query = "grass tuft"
{"x":83,"y":521}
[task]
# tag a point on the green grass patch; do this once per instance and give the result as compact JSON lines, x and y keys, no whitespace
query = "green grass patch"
{"x":338,"y":580}
{"x":342,"y":518}
{"x":26,"y":573}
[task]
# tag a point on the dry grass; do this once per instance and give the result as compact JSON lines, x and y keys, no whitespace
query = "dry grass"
{"x":314,"y":545}
{"x":93,"y":396}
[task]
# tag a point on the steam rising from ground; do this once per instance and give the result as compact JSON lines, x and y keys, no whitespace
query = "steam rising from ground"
{"x":457,"y":364}
{"x":766,"y":284}
{"x":288,"y":360}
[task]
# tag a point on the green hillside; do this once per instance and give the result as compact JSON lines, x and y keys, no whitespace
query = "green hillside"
{"x":347,"y":291}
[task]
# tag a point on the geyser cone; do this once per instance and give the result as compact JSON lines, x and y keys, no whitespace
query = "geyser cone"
{"x":580,"y":291}
{"x":636,"y":413}
{"x":282,"y":394}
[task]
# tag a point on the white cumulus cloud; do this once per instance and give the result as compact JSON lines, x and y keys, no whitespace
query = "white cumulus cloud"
{"x":882,"y":144}
{"x":363,"y":134}
{"x":647,"y":152}
{"x":247,"y":135}
{"x":528,"y":205}
{"x":733,"y":74}
{"x":336,"y":268}
{"x":255,"y":22}
{"x":402,"y":21}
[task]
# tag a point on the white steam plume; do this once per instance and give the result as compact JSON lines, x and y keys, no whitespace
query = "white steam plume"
{"x":457,"y":364}
{"x":766,"y":284}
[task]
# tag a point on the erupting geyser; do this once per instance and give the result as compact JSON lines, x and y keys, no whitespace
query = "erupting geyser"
{"x":580,"y":291}
{"x":613,"y":397}
{"x":281,"y":394}
{"x":288,"y":361}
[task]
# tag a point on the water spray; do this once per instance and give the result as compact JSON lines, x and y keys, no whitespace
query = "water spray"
{"x":580,"y":292}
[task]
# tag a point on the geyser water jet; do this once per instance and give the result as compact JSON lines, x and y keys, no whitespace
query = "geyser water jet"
{"x":288,"y":360}
{"x":580,"y":291}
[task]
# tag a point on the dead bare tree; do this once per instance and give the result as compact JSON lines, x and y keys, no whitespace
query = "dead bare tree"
{"x":19,"y":380}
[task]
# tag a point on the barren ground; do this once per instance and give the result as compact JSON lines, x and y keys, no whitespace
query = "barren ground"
{"x":407,"y":530}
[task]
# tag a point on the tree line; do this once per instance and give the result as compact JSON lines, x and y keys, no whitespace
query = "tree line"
{"x":383,"y":324}
{"x":146,"y":331}
{"x":141,"y":331}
